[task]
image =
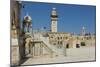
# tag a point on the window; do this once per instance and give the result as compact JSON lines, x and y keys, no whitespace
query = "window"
{"x":83,"y":44}
{"x":54,"y":44}
{"x":66,"y":37}
{"x":13,"y":20}
{"x":60,"y":42}
{"x":51,"y":36}
{"x":58,"y":38}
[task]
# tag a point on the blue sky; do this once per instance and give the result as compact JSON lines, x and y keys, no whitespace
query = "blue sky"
{"x":71,"y":18}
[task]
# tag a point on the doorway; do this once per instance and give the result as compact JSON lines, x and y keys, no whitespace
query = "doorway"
{"x":67,"y":46}
{"x":77,"y":45}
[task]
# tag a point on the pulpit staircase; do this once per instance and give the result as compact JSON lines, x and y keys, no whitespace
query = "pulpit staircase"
{"x":53,"y":49}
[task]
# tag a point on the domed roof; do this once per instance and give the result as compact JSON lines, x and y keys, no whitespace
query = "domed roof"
{"x":53,"y":12}
{"x":54,"y":8}
{"x":27,"y":18}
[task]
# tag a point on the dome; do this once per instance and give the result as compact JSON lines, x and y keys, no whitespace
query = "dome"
{"x":27,"y":18}
{"x":53,"y":11}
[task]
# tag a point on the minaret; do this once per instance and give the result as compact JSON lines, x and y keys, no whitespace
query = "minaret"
{"x":54,"y":18}
{"x":83,"y":31}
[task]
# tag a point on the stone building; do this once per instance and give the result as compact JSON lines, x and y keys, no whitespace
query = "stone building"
{"x":58,"y":38}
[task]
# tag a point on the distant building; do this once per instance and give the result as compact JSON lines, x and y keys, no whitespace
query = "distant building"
{"x":58,"y":38}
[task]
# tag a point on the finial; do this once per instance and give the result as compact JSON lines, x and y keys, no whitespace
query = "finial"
{"x":54,"y":8}
{"x":19,"y":2}
{"x":83,"y":27}
{"x":27,"y":14}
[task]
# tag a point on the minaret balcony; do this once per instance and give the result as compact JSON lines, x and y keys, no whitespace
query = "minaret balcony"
{"x":54,"y":16}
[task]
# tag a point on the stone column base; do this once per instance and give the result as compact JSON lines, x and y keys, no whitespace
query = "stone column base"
{"x":15,"y":59}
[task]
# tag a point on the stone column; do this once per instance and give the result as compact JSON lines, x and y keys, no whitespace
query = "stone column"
{"x":36,"y":49}
{"x":33,"y":47}
{"x":27,"y":48}
{"x":15,"y":56}
{"x":74,"y":42}
{"x":64,"y":48}
{"x":41,"y":49}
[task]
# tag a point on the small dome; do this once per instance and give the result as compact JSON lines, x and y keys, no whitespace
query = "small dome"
{"x":27,"y":18}
{"x":53,"y":11}
{"x":83,"y":27}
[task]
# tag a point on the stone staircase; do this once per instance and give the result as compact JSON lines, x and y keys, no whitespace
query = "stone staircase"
{"x":46,"y":42}
{"x":54,"y":50}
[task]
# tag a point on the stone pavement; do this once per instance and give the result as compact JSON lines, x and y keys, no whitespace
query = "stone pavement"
{"x":73,"y":55}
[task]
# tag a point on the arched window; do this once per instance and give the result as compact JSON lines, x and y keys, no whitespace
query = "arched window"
{"x":83,"y":44}
{"x":13,"y":20}
{"x":58,"y":38}
{"x":60,"y":42}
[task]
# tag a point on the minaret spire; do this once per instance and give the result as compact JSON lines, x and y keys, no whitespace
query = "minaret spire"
{"x":83,"y":31}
